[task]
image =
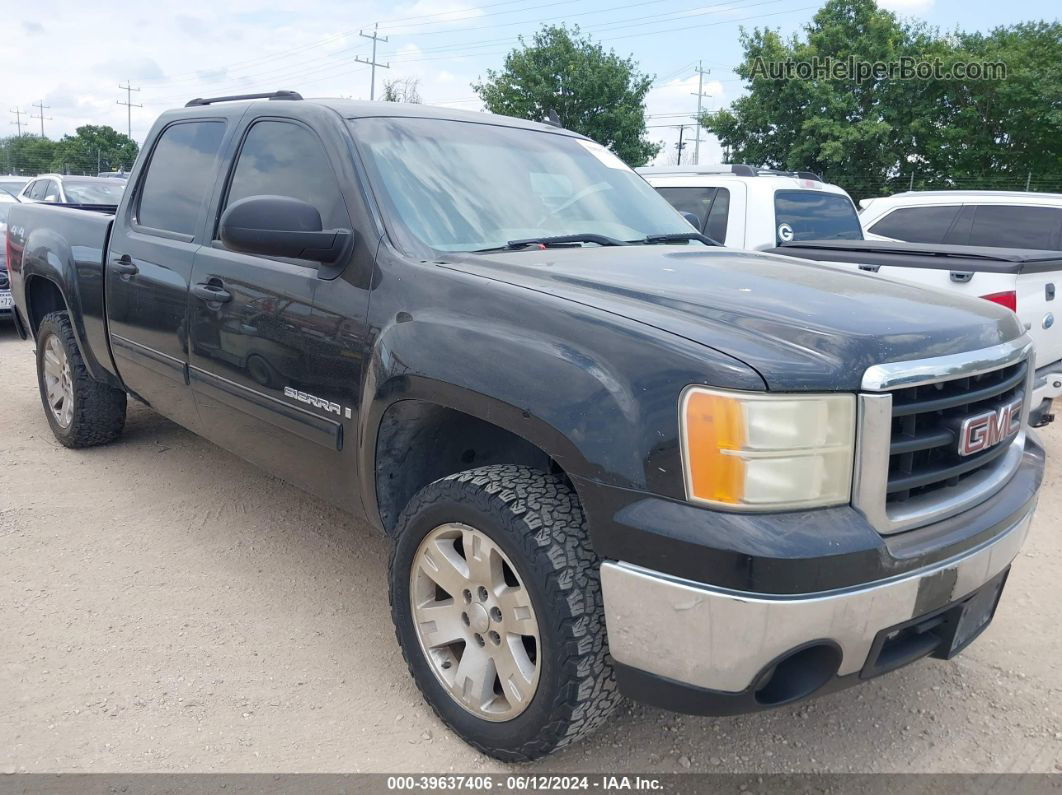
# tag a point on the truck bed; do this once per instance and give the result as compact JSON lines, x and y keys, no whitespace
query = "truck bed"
{"x":76,"y":243}
{"x":919,"y":255}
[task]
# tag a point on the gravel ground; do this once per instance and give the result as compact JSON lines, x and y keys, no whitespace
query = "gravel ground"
{"x":166,"y":607}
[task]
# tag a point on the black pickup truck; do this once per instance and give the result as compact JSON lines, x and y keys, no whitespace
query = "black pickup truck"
{"x":612,"y":456}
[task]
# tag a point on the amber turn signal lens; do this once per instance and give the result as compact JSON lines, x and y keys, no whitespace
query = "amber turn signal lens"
{"x":714,"y":427}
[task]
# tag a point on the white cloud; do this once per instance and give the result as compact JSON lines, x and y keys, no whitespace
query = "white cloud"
{"x":674,"y":103}
{"x":906,"y":6}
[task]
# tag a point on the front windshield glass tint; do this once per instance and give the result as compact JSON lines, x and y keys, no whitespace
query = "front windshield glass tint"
{"x":459,"y":186}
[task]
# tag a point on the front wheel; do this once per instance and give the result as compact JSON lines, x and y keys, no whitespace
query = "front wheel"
{"x":496,"y":600}
{"x":82,"y":412}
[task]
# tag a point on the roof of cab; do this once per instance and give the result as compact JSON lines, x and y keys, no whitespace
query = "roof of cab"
{"x":359,"y":109}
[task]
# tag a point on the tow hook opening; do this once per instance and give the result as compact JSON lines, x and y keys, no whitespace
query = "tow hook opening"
{"x":797,"y":674}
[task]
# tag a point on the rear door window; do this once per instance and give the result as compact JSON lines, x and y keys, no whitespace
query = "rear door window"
{"x":179,"y":176}
{"x":696,"y":201}
{"x":814,"y":215}
{"x":917,"y":224}
{"x":1016,"y":226}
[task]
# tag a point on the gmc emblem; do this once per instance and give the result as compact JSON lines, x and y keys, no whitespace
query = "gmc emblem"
{"x":989,"y":429}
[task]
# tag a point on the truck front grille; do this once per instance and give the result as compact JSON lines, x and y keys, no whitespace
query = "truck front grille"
{"x":926,"y":421}
{"x":909,"y":471}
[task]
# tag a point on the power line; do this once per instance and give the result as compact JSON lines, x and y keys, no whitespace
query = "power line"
{"x":18,"y":119}
{"x":323,"y":64}
{"x":372,"y":63}
{"x":128,"y":89}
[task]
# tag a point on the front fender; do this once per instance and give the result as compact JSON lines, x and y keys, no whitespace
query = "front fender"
{"x":597,"y":393}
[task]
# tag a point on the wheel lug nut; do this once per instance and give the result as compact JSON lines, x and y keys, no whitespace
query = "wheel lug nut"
{"x":495,"y":638}
{"x":468,"y":596}
{"x":495,"y":614}
{"x":479,"y":639}
{"x":482,"y":594}
{"x":464,"y":617}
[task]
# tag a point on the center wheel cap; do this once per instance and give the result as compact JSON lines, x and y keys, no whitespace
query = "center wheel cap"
{"x":478,"y":618}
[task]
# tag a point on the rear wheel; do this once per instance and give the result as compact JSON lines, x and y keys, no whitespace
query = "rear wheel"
{"x":81,"y":411}
{"x":497,"y":607}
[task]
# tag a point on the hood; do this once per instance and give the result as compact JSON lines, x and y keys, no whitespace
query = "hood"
{"x":801,"y":325}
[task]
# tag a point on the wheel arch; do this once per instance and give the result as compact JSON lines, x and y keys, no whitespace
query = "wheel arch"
{"x":435,"y":429}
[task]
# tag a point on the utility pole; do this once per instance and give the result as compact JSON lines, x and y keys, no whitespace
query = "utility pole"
{"x":375,"y":38}
{"x":680,"y":146}
{"x":42,"y":107}
{"x":18,"y":119}
{"x":128,"y":89}
{"x":701,"y":72}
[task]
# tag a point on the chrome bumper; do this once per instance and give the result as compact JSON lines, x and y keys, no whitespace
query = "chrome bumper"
{"x":1047,"y":384}
{"x":720,"y":640}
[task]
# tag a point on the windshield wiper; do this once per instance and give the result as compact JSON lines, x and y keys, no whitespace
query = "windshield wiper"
{"x":677,"y":237}
{"x":555,"y":240}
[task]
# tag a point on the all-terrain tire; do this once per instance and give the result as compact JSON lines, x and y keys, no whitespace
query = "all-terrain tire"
{"x":98,"y":414}
{"x":536,"y":520}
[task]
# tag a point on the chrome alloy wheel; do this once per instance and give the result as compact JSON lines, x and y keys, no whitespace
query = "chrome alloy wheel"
{"x":58,"y":381}
{"x":475,"y":622}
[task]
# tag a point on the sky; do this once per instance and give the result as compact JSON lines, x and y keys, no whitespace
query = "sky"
{"x":72,"y":57}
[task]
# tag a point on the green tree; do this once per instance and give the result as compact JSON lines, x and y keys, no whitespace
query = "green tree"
{"x":26,"y":154}
{"x":91,"y":146}
{"x":883,"y":133}
{"x":592,"y":91}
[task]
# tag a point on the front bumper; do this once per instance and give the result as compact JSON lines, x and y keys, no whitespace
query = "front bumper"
{"x":693,"y":647}
{"x":1047,"y":383}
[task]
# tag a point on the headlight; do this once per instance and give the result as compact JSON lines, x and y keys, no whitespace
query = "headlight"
{"x":757,"y":451}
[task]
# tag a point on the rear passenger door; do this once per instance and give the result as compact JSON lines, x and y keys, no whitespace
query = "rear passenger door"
{"x":149,"y":264}
{"x":254,"y":332}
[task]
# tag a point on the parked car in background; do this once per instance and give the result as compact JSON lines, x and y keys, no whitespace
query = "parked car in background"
{"x":744,"y":206}
{"x":114,"y":174}
{"x":967,"y":217}
{"x":6,"y":304}
{"x":12,"y":184}
{"x":76,"y":191}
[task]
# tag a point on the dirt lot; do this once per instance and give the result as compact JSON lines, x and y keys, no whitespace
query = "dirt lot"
{"x":166,"y":607}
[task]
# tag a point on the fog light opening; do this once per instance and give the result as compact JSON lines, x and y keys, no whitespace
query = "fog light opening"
{"x":797,"y":674}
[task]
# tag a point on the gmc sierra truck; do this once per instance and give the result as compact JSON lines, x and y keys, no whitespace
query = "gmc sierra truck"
{"x":613,"y":457}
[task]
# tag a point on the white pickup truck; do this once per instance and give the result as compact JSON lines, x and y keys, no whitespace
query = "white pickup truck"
{"x":797,"y":214}
{"x":1023,"y":280}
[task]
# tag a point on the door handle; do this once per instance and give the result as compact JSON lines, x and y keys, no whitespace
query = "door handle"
{"x":214,"y":293}
{"x":124,"y":266}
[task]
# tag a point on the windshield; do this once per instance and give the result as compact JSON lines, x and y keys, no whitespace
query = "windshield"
{"x":814,"y":215}
{"x":102,"y":192}
{"x":459,"y":186}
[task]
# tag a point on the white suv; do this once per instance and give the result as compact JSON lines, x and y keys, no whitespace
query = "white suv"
{"x":754,"y":208}
{"x":967,"y":218}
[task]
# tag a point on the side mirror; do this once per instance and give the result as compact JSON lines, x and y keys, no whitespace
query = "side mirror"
{"x":280,"y":226}
{"x":692,"y":220}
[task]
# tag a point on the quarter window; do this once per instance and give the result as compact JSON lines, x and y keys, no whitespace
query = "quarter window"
{"x":284,"y":159}
{"x":179,"y":176}
{"x":1014,"y":226}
